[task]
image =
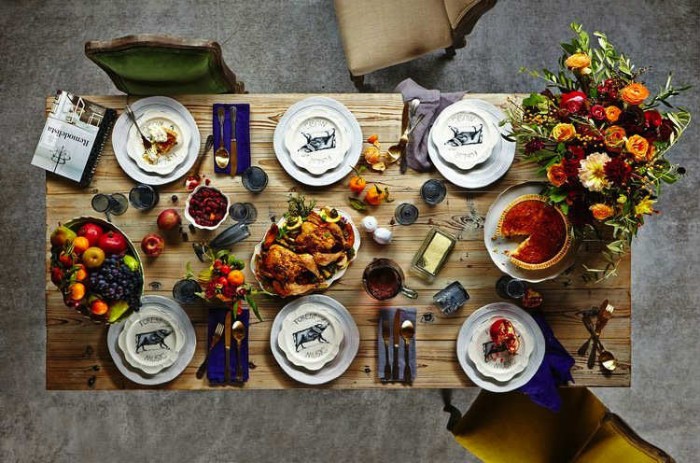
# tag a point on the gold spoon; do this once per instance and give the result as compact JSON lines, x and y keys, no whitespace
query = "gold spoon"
{"x":221,"y":155}
{"x":238,"y":331}
{"x":395,"y":151}
{"x":607,"y":359}
{"x":407,"y":333}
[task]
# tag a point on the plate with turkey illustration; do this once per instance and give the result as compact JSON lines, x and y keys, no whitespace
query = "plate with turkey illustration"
{"x":317,"y":140}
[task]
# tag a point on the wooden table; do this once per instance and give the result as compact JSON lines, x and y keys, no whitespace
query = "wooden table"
{"x":77,"y":355}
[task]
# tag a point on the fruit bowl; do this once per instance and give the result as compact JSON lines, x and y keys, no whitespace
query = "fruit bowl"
{"x":97,"y":269}
{"x":207,"y":197}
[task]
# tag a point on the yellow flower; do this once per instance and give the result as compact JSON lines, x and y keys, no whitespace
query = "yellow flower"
{"x":578,"y":61}
{"x":638,"y":146}
{"x":563,"y":132}
{"x":614,"y":138}
{"x":612,"y":114}
{"x":592,"y":172}
{"x":556,"y":174}
{"x":622,"y":199}
{"x":635,"y":93}
{"x":645,"y":206}
{"x":601,"y":211}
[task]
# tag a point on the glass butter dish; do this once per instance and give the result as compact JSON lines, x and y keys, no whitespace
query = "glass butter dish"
{"x":433,"y":254}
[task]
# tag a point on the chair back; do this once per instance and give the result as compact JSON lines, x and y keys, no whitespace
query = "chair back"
{"x":164,"y":65}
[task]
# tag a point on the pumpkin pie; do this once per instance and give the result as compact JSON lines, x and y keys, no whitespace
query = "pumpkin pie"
{"x":544,"y":228}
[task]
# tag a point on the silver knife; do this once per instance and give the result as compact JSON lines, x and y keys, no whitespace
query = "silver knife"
{"x":386,"y":336}
{"x":397,"y":341}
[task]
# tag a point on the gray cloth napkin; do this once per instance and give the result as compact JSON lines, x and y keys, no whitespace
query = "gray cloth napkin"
{"x":388,"y":313}
{"x":432,"y":102}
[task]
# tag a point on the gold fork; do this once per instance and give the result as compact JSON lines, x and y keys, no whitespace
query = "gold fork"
{"x":218,"y":332}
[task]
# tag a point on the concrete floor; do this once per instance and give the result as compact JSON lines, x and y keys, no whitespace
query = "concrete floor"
{"x":293,"y":46}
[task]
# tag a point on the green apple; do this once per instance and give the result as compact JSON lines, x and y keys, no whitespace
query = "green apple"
{"x":131,"y":263}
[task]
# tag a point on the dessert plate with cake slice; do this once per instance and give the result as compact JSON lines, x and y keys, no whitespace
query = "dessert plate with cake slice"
{"x":528,"y":238}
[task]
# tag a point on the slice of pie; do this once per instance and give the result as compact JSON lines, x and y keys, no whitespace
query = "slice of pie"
{"x":544,"y":227}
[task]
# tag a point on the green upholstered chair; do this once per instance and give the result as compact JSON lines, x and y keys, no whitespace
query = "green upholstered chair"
{"x":164,"y":65}
{"x":510,"y":427}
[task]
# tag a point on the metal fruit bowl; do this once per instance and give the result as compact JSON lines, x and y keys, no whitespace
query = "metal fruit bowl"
{"x":75,"y":224}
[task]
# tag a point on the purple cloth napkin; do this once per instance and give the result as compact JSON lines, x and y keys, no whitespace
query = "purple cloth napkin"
{"x":242,"y":135}
{"x":432,"y":102}
{"x":555,"y":370}
{"x":215,"y":365}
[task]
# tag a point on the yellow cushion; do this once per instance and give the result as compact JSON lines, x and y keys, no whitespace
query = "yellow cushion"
{"x":456,"y":9}
{"x":615,"y":441}
{"x":378,"y":34}
{"x":511,"y":428}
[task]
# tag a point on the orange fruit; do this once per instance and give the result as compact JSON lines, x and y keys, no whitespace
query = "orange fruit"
{"x":236,"y":278}
{"x":374,"y":138}
{"x":357,"y":184}
{"x":80,"y":244}
{"x":81,"y":273}
{"x":77,"y":291}
{"x":99,"y":307}
{"x":374,"y":196}
{"x":371,"y":154}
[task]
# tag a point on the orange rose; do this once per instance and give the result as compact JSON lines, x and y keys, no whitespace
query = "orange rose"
{"x":601,"y":211}
{"x":578,"y":61}
{"x":635,"y":93}
{"x":614,"y":138}
{"x":612,"y":114}
{"x":556,"y":174}
{"x":638,"y":146}
{"x":563,"y":132}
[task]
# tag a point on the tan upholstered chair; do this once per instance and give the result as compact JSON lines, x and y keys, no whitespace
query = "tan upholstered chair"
{"x":380,"y":33}
{"x":164,"y":65}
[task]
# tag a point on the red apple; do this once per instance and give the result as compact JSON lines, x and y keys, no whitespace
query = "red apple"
{"x":112,"y":242}
{"x":92,"y":232}
{"x":169,"y":219}
{"x":152,"y":244}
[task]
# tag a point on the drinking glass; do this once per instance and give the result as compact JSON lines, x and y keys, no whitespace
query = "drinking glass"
{"x":143,"y":197}
{"x":115,"y":203}
{"x":254,"y":179}
{"x":406,"y":214}
{"x":184,"y":291}
{"x":243,"y":212}
{"x":433,"y":191}
{"x":384,"y":279}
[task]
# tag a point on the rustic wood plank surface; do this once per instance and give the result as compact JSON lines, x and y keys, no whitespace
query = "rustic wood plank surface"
{"x":77,"y":355}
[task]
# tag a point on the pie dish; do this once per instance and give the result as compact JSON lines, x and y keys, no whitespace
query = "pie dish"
{"x":545,"y":230}
{"x":310,"y":336}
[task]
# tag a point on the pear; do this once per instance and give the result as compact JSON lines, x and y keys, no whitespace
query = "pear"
{"x":116,"y":310}
{"x":62,"y":234}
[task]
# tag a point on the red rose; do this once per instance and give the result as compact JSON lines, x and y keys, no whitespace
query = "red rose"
{"x":598,"y":112}
{"x":652,"y":118}
{"x":576,"y":152}
{"x":573,"y":101}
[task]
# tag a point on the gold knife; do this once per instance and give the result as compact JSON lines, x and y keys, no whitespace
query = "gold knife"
{"x":386,"y":336}
{"x":397,"y":341}
{"x":227,"y":345}
{"x":234,"y":141}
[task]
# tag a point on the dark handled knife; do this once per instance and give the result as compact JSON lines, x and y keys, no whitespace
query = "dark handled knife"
{"x":405,"y":120}
{"x":386,"y":336}
{"x":227,"y":345}
{"x":397,"y":341}
{"x":234,"y":141}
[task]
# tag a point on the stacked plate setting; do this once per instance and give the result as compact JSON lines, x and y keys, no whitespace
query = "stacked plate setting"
{"x":156,"y":112}
{"x":314,"y":339}
{"x":500,"y":372}
{"x":466,"y":145}
{"x":155,"y":344}
{"x":317,"y":141}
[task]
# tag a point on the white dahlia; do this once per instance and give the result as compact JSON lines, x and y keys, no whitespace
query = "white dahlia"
{"x":592,"y":172}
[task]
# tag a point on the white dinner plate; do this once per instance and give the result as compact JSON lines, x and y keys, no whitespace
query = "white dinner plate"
{"x":503,"y":366}
{"x":348,"y":348}
{"x":166,"y":163}
{"x":464,"y":134}
{"x":498,"y":246}
{"x":490,"y":170}
{"x":511,"y":312}
{"x":330,"y":176}
{"x":184,"y":357}
{"x":120,"y":135}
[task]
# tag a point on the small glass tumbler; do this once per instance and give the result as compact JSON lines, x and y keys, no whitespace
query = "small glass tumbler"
{"x":254,"y":179}
{"x":406,"y":214}
{"x":451,"y":298}
{"x":184,"y":291}
{"x":115,"y":203}
{"x":243,"y":212}
{"x":510,"y":288}
{"x":143,"y":197}
{"x":433,"y":191}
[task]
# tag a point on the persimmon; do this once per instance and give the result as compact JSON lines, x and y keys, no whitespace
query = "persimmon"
{"x":374,"y":196}
{"x":357,"y":184}
{"x":374,"y":138}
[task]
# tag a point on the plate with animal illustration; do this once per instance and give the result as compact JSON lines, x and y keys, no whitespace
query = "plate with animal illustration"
{"x":344,"y":118}
{"x":348,"y":346}
{"x":310,"y":336}
{"x":493,"y":168}
{"x":464,"y":135}
{"x":317,"y":140}
{"x":151,"y":339}
{"x":170,"y":142}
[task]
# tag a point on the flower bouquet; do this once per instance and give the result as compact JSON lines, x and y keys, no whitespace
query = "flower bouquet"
{"x":601,"y":140}
{"x":224,"y":282}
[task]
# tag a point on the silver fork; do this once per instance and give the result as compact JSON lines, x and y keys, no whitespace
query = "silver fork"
{"x":218,"y":332}
{"x":132,"y":116}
